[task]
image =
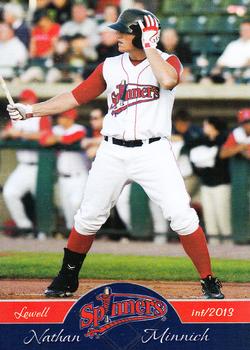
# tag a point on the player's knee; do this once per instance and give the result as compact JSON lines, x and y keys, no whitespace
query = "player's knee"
{"x":88,"y":222}
{"x":185,"y":223}
{"x":9,"y":193}
{"x":75,"y":203}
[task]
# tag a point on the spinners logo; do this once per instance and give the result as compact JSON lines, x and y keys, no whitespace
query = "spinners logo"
{"x":129,"y":94}
{"x":114,"y":309}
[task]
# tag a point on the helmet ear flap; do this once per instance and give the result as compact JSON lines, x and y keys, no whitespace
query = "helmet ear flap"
{"x":137,"y":42}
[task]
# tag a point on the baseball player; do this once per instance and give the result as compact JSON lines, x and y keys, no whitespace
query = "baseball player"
{"x":238,"y":141}
{"x":71,"y":166}
{"x":23,"y":179}
{"x":140,"y":85}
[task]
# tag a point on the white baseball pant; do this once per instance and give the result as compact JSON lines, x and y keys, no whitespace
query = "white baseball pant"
{"x":71,"y":191}
{"x":123,"y":208}
{"x":21,"y":180}
{"x":153,"y":166}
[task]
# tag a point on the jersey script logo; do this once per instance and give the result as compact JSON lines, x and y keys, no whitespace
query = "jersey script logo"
{"x":132,"y":94}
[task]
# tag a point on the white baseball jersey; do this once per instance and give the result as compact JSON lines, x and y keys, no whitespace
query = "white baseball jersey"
{"x":138,"y":107}
{"x":240,"y":135}
{"x":29,"y":125}
{"x":69,"y":162}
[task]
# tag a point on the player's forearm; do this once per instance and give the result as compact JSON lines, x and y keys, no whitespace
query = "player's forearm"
{"x":55,"y":105}
{"x":165,"y":74}
{"x":30,"y":136}
{"x":227,"y":152}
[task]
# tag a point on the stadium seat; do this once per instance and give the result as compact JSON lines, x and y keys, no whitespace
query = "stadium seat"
{"x":223,"y":24}
{"x":236,"y":2}
{"x":193,"y":24}
{"x":207,"y":6}
{"x":199,"y":44}
{"x":212,"y":61}
{"x":218,"y":43}
{"x":169,"y":22}
{"x":176,"y":6}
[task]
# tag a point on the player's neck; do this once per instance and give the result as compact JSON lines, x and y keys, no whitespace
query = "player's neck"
{"x":137,"y":55}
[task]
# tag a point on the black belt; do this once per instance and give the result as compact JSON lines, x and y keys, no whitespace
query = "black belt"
{"x":29,"y":163}
{"x":69,"y":175}
{"x":131,"y":143}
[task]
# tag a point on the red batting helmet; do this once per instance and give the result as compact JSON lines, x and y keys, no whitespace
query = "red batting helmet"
{"x":244,"y":115}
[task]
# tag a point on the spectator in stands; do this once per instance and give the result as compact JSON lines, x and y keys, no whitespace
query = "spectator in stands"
{"x":14,"y":16}
{"x":59,"y":10}
{"x":100,"y":5}
{"x":43,"y":38}
{"x":81,"y":53}
{"x":41,"y":4}
{"x":94,"y":138}
{"x":238,"y":141}
{"x":171,"y":43}
{"x":145,"y":5}
{"x":110,"y":14}
{"x":236,"y":55}
{"x":81,"y":24}
{"x":215,"y":180}
{"x":71,"y":165}
{"x":59,"y":70}
{"x":23,"y":179}
{"x":108,"y":44}
{"x":13,"y":52}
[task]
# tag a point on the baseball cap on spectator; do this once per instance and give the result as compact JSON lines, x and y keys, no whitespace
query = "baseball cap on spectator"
{"x":71,"y":114}
{"x":28,"y":95}
{"x":244,"y":116}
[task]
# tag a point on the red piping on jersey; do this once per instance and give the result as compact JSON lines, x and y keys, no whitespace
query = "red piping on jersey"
{"x":137,"y":100}
{"x":127,"y":83}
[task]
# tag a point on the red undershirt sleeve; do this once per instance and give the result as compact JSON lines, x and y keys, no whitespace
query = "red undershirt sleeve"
{"x":76,"y":136}
{"x":90,"y":88}
{"x":175,"y":62}
{"x":45,"y":124}
{"x":230,"y":142}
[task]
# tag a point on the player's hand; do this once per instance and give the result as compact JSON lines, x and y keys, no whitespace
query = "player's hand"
{"x":19,"y":111}
{"x":150,"y":32}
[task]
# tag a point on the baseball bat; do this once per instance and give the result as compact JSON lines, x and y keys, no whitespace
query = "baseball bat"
{"x":6,"y":91}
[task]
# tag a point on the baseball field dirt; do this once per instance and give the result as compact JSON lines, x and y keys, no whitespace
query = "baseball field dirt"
{"x":33,"y":289}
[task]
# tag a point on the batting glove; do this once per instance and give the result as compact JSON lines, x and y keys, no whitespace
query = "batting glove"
{"x":19,"y":111}
{"x":150,"y":32}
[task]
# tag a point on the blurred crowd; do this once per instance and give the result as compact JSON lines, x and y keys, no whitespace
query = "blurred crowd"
{"x":202,"y":152}
{"x":64,"y":41}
